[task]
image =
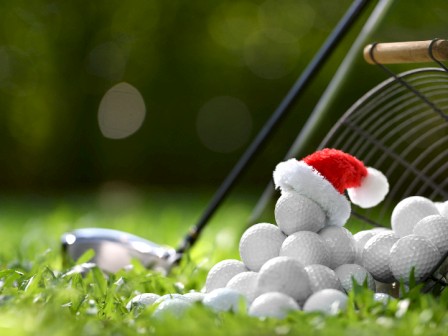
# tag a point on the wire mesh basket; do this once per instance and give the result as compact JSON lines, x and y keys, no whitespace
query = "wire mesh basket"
{"x":400,"y":127}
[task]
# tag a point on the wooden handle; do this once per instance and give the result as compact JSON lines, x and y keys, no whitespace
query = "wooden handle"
{"x":406,"y":52}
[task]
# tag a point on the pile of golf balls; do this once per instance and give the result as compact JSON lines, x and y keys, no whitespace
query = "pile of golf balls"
{"x":302,"y":263}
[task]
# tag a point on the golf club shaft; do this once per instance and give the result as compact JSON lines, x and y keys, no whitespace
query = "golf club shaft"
{"x":299,"y":86}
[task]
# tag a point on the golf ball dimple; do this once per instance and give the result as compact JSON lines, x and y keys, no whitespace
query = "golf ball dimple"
{"x":223,"y":299}
{"x":273,"y":304}
{"x":435,"y":228}
{"x":307,"y":247}
{"x":295,"y":212}
{"x":328,"y":301}
{"x":409,"y":211}
{"x":142,"y":300}
{"x":222,"y":272}
{"x":352,"y":272}
{"x":361,"y":239}
{"x":174,"y":308}
{"x":245,"y":283}
{"x":260,"y":243}
{"x":413,"y":252}
{"x":322,"y":277}
{"x":341,"y":245}
{"x":375,"y":257}
{"x":286,"y":275}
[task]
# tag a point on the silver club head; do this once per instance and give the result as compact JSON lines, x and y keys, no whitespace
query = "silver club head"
{"x":114,"y":250}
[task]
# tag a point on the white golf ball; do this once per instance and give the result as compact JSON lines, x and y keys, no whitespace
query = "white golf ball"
{"x":361,"y":239}
{"x":220,"y":274}
{"x":435,"y":228}
{"x":381,"y":229}
{"x":444,"y":209}
{"x":307,"y":247}
{"x":286,"y":275}
{"x":341,"y":245}
{"x":409,"y":212}
{"x":170,"y":296}
{"x":322,"y":277}
{"x":142,"y":300}
{"x":328,"y":301}
{"x":194,"y":296}
{"x":172,"y":308}
{"x":246,"y":284}
{"x":382,"y":297}
{"x":413,"y":252}
{"x":352,"y":272}
{"x":273,"y":304}
{"x":295,"y":212}
{"x":260,"y":243}
{"x":224,"y":299}
{"x":375,"y":257}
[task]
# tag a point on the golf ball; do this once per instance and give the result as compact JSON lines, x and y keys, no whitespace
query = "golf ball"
{"x":172,"y":308}
{"x":375,"y":257}
{"x":328,"y":301}
{"x":352,"y":272}
{"x":194,"y":296}
{"x":444,"y":209}
{"x":409,"y":211}
{"x":142,"y":300}
{"x":382,"y":297}
{"x":341,"y":244}
{"x":361,"y":239}
{"x":273,"y":304}
{"x":295,"y":212}
{"x":322,"y":277}
{"x":410,"y":252}
{"x":167,"y":297}
{"x":260,"y":243}
{"x":286,"y":275}
{"x":246,"y":284}
{"x":220,"y":274}
{"x":307,"y":247}
{"x":223,"y":299}
{"x":435,"y":228}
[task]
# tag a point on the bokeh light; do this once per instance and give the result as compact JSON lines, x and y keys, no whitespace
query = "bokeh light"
{"x":122,"y":111}
{"x":224,"y":124}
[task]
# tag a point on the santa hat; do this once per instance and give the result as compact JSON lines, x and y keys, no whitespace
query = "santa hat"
{"x":324,"y":176}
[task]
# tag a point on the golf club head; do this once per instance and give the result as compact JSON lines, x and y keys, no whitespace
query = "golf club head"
{"x":114,"y":250}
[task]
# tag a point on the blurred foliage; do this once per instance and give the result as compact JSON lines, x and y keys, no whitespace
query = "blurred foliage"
{"x":58,"y":59}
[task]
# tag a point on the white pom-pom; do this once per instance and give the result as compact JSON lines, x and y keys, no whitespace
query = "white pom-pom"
{"x":373,"y":189}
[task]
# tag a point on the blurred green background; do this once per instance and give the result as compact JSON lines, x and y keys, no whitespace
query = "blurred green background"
{"x":210,"y":74}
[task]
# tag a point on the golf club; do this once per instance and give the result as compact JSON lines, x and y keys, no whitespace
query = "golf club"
{"x":115,"y":249}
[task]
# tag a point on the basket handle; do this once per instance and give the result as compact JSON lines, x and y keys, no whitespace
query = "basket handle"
{"x":406,"y":52}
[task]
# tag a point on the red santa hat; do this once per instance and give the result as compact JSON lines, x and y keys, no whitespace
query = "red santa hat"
{"x":324,"y":176}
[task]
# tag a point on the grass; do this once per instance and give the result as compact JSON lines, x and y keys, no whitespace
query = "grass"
{"x":37,"y":297}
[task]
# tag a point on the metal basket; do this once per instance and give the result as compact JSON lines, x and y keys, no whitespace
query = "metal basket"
{"x":400,"y":127}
